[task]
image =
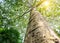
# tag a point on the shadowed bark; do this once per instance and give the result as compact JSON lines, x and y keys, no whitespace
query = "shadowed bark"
{"x":38,"y":30}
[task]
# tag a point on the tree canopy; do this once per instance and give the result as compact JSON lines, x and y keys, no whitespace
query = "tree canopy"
{"x":12,"y":10}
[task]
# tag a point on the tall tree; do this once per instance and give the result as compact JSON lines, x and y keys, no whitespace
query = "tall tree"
{"x":38,"y":30}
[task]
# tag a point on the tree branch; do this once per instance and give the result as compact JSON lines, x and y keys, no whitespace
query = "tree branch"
{"x":26,"y":12}
{"x":33,"y":7}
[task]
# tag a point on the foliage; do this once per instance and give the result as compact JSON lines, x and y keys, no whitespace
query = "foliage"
{"x":9,"y":36}
{"x":11,"y":11}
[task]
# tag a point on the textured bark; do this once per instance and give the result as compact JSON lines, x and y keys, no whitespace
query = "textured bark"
{"x":38,"y":30}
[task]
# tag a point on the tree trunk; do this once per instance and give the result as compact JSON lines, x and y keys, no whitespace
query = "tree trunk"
{"x":38,"y":30}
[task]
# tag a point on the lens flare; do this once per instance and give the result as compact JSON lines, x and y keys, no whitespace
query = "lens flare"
{"x":46,"y":3}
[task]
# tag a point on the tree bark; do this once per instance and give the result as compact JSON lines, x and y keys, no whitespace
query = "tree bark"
{"x":38,"y":30}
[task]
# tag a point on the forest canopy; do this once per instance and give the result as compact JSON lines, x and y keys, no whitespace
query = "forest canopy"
{"x":12,"y":10}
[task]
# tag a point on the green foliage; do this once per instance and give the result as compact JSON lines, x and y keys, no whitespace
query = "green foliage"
{"x":11,"y":10}
{"x":9,"y":36}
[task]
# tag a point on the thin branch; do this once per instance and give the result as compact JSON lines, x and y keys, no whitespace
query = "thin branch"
{"x":26,"y":12}
{"x":32,"y":8}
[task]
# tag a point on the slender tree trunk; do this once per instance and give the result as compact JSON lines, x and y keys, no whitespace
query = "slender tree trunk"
{"x":38,"y":30}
